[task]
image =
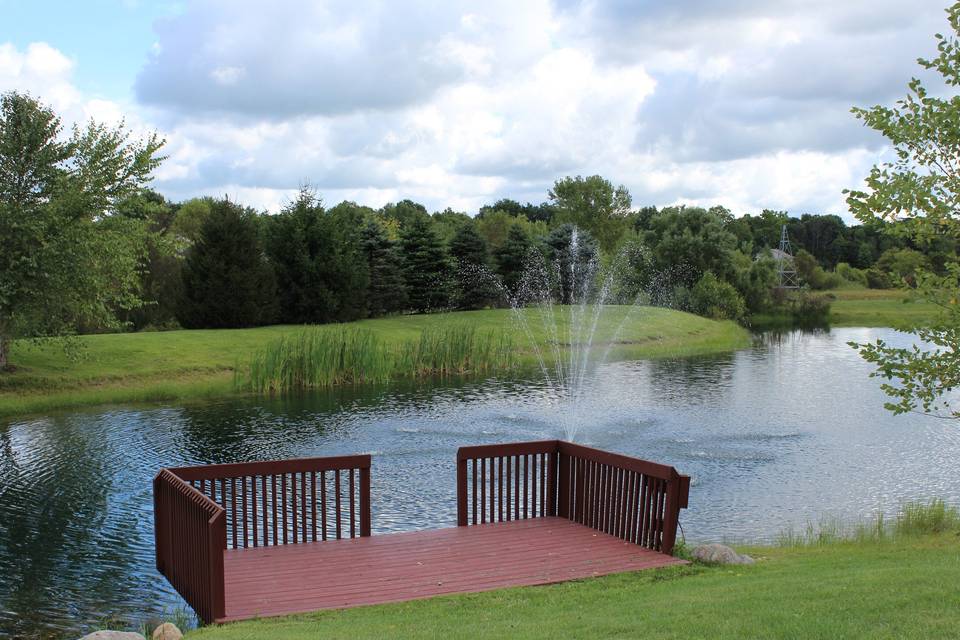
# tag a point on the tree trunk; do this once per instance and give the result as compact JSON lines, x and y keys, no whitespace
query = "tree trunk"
{"x":4,"y":347}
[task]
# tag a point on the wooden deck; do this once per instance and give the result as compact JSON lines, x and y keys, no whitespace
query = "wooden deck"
{"x":269,"y":581}
{"x":242,"y":540}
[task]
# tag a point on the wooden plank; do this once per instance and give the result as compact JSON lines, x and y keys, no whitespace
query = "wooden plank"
{"x":270,"y":467}
{"x":268,"y":581}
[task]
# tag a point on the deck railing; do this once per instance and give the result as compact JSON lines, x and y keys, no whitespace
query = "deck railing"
{"x":633,"y":499}
{"x":288,"y":501}
{"x":500,"y":483}
{"x":190,"y":535}
{"x":201,"y":512}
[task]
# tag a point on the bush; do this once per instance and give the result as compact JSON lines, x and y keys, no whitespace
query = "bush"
{"x":852,"y":274}
{"x":813,"y":274}
{"x":714,"y":298}
{"x":877,"y":279}
{"x":811,"y":309}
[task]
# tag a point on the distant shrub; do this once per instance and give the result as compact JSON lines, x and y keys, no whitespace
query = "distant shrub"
{"x":810,"y":308}
{"x":714,"y":298}
{"x":852,"y":274}
{"x":813,"y":274}
{"x":877,"y":279}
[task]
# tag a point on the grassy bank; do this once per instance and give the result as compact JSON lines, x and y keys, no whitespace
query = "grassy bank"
{"x":876,"y":308}
{"x":898,"y":588}
{"x":179,"y":365}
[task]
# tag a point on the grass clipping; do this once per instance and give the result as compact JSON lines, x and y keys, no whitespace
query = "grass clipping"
{"x":320,"y":357}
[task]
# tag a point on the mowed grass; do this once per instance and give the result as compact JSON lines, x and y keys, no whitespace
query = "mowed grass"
{"x":877,"y":308}
{"x":179,"y":365}
{"x":901,"y":588}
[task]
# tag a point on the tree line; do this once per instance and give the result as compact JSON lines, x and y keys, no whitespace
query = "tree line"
{"x":86,"y":246}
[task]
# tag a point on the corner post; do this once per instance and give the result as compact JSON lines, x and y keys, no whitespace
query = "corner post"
{"x":365,"y":509}
{"x":563,"y":480}
{"x":674,"y":489}
{"x":461,"y":490}
{"x":217,"y":545}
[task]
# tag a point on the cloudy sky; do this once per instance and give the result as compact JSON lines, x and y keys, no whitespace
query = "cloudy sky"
{"x":743,"y":103}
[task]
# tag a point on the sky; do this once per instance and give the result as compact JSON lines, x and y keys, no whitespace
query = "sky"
{"x":740,"y":103}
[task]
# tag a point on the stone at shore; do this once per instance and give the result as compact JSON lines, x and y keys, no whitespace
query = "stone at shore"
{"x":719,"y":554}
{"x":113,"y":635}
{"x":167,"y":631}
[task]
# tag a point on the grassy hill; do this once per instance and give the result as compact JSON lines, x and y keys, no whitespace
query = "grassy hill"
{"x":175,"y":365}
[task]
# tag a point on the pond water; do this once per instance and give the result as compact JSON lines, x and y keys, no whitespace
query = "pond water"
{"x":775,"y":436}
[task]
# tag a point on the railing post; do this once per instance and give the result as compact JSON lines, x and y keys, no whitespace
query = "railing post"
{"x":461,"y":491}
{"x":563,"y":480}
{"x":160,"y":520}
{"x":217,"y":545}
{"x":672,"y":514}
{"x":365,"y":510}
{"x":552,"y":469}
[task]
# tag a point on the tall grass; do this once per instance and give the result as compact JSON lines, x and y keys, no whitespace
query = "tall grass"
{"x":913,"y":519}
{"x":319,"y":357}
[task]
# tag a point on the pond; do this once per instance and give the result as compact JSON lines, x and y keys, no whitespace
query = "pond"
{"x":775,"y":436}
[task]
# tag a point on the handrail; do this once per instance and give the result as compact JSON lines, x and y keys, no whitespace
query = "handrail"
{"x":190,"y":535}
{"x":288,"y":501}
{"x":509,"y":482}
{"x":634,"y":499}
{"x":202,"y":511}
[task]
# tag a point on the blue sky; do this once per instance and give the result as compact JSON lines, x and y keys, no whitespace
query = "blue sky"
{"x":743,"y":103}
{"x":109,"y":40}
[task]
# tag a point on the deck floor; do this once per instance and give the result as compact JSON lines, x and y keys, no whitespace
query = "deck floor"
{"x":269,"y":581}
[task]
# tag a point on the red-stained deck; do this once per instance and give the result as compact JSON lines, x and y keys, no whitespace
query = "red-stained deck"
{"x":269,"y":581}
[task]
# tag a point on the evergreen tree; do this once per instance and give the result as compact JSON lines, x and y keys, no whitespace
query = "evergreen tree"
{"x":387,"y":292}
{"x":426,"y":266}
{"x":227,"y":281}
{"x":511,"y":258}
{"x":319,"y":264}
{"x":474,"y":289}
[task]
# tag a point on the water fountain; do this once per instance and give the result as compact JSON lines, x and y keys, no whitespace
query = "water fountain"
{"x":567,"y":298}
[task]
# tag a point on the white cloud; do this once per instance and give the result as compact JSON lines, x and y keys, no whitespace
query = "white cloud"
{"x":743,"y":103}
{"x":41,"y":70}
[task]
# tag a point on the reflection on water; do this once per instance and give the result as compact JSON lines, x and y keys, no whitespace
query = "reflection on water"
{"x":776,"y":435}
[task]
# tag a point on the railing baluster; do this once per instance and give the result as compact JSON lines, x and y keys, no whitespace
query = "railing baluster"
{"x":516,"y":486}
{"x":493,"y":491}
{"x":243,"y":507}
{"x":303,"y":506}
{"x":353,"y":529}
{"x":483,"y":490}
{"x":500,"y":487}
{"x":509,"y":492}
{"x":533,"y":486}
{"x":283,"y":504}
{"x":313,"y":504}
{"x":336,"y":476}
{"x":474,"y":475}
{"x":323,"y":505}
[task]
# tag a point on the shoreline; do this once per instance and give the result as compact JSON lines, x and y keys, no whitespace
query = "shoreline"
{"x":184,"y":365}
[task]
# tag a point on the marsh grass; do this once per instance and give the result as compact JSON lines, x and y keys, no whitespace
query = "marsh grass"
{"x":914,"y":519}
{"x":320,"y":357}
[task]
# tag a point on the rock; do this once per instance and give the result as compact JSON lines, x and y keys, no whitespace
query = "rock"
{"x":167,"y":631}
{"x":719,"y":554}
{"x":113,"y":635}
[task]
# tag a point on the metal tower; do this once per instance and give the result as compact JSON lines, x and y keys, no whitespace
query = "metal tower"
{"x":786,"y":270}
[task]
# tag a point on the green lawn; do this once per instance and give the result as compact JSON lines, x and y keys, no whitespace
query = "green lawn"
{"x":176,"y":365}
{"x":909,"y":588}
{"x":876,"y":308}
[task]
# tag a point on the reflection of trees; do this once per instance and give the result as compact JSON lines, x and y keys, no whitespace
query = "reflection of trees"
{"x":776,"y":338}
{"x":68,"y":525}
{"x":692,"y":380}
{"x":291,"y":425}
